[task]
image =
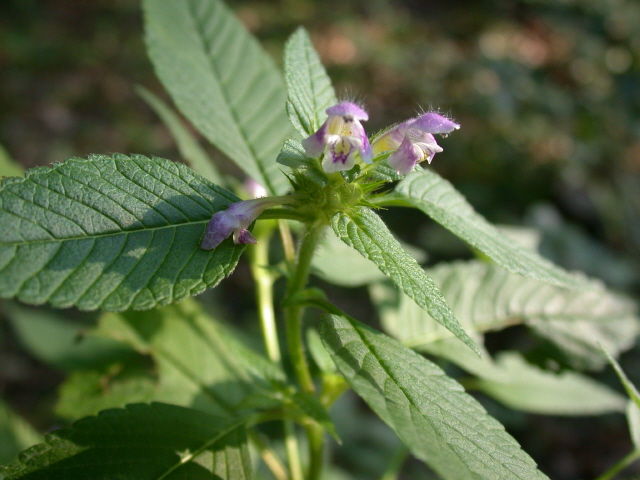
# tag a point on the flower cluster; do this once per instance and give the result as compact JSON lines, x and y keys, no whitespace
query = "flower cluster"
{"x":341,"y":140}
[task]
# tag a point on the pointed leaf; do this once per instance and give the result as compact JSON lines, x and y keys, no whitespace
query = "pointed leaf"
{"x":486,"y":297}
{"x":222,"y":81}
{"x":309,"y":86}
{"x":367,"y":233}
{"x":110,"y":233}
{"x":192,"y":153}
{"x":9,"y":167}
{"x":141,"y":441}
{"x":436,"y":197}
{"x":430,"y":412}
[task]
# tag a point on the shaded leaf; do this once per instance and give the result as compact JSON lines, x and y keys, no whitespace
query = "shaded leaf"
{"x":486,"y":297}
{"x":436,"y":197}
{"x":190,"y":150}
{"x":525,"y":387}
{"x":363,"y":230}
{"x":15,"y":434}
{"x":111,"y":233}
{"x":309,"y":86}
{"x":222,"y":81}
{"x":141,"y":441}
{"x":430,"y":412}
{"x":61,"y":343}
{"x":199,"y":362}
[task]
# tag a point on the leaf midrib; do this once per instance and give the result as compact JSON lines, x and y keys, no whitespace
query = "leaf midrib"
{"x":207,"y":48}
{"x":102,"y":235}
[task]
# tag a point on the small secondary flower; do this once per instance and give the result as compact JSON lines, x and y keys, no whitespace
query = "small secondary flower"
{"x":341,"y":138}
{"x":412,"y":142}
{"x":235,"y":220}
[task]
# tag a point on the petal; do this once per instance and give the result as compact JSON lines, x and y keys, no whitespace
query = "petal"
{"x":243,"y":236}
{"x":315,"y":144}
{"x":220,"y":227}
{"x":340,"y":153}
{"x":391,"y":139}
{"x":405,"y":158}
{"x":434,"y":123}
{"x":348,"y":109}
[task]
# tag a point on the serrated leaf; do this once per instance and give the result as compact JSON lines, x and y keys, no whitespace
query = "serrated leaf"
{"x":527,"y":388}
{"x":222,"y":81}
{"x":430,"y":412}
{"x":309,"y":86}
{"x":111,"y":233}
{"x":363,"y":230}
{"x":199,"y":362}
{"x":141,"y":441}
{"x":486,"y":297}
{"x":190,"y":150}
{"x":436,"y":197}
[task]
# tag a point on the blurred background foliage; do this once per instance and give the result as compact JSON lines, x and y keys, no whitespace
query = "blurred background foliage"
{"x":547,"y":92}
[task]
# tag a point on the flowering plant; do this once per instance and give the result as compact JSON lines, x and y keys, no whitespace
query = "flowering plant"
{"x":136,"y":237}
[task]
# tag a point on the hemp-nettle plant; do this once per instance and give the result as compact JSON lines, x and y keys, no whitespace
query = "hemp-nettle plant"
{"x":175,"y":390}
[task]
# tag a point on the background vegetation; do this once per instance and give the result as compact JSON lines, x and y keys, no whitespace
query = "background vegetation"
{"x":548,"y":95}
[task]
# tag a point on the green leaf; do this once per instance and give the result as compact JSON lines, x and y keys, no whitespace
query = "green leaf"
{"x":335,"y":262}
{"x":15,"y":434}
{"x":367,"y":233}
{"x":199,"y":362}
{"x":430,"y":412}
{"x":309,"y":86}
{"x":437,"y":198}
{"x":188,"y":145}
{"x":141,"y":441}
{"x":486,"y":297}
{"x":61,"y":343}
{"x":87,"y":392}
{"x":525,"y":387}
{"x":110,"y":233}
{"x":222,"y":81}
{"x":8,"y":167}
{"x":293,"y":156}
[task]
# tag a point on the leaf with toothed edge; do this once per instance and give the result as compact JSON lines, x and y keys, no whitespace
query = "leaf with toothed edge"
{"x":431,"y":413}
{"x":222,"y":81}
{"x":111,"y":233}
{"x":309,"y":86}
{"x":155,"y":440}
{"x":437,"y":198}
{"x":365,"y":231}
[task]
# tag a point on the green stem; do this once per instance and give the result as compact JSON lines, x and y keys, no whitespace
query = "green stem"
{"x":293,"y":313}
{"x":398,"y":459}
{"x":259,"y":256}
{"x":621,"y":465}
{"x":293,"y":451}
{"x":293,"y":318}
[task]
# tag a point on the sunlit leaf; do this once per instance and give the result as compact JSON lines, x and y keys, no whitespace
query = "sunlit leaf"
{"x":222,"y":81}
{"x":430,"y":412}
{"x":110,"y":232}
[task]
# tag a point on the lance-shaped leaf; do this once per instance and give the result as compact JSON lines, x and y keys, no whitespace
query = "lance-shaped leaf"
{"x":222,"y":81}
{"x":192,"y":153}
{"x":141,"y":441}
{"x":430,"y":412}
{"x":486,"y":297}
{"x":110,"y":233}
{"x":309,"y":86}
{"x":436,"y":197}
{"x":365,"y":231}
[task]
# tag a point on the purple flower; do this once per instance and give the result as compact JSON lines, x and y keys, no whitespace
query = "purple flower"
{"x":236,"y":219}
{"x":340,"y":139}
{"x":412,"y":142}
